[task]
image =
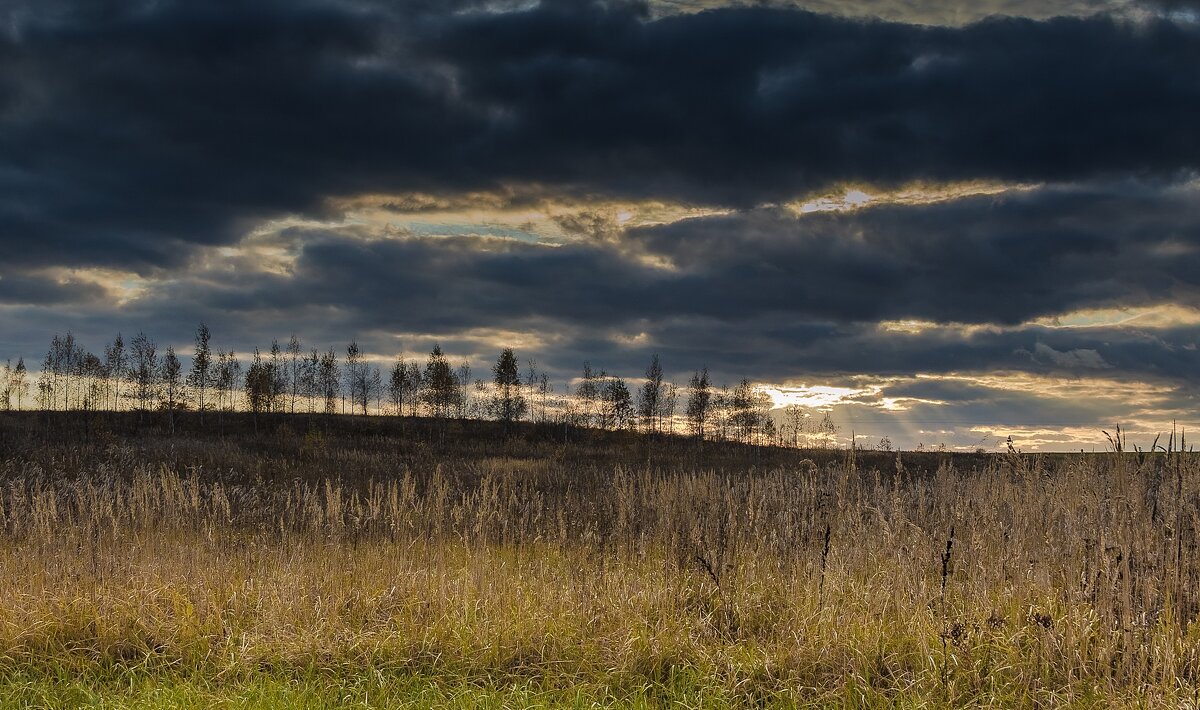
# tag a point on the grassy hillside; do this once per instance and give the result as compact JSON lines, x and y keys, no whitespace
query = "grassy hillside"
{"x":335,"y":561}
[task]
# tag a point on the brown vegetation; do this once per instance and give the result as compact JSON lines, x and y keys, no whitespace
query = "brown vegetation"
{"x":341,"y":543}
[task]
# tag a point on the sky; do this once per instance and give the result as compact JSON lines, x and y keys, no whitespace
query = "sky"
{"x":941,"y":222}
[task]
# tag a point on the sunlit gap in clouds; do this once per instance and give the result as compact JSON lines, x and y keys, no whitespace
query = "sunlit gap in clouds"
{"x":967,"y":411}
{"x":843,"y":198}
{"x":820,"y":397}
{"x":528,"y":214}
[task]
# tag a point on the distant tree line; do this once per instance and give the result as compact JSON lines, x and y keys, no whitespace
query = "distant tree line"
{"x":136,"y":376}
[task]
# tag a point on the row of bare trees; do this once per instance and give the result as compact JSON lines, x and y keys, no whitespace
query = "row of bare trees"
{"x":294,"y":379}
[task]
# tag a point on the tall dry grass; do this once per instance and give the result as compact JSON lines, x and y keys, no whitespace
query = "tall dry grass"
{"x":1022,"y":581}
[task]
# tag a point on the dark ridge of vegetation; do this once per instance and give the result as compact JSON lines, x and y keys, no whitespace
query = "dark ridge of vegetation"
{"x":219,"y":439}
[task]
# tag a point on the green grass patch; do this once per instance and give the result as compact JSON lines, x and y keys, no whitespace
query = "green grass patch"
{"x":371,"y":688}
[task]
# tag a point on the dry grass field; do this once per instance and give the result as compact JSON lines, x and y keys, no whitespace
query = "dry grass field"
{"x":320,"y":565}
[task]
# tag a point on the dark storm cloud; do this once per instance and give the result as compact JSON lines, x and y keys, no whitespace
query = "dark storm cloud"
{"x":739,"y":106}
{"x":39,"y":290}
{"x":775,"y":352}
{"x":131,"y":131}
{"x":1170,"y":5}
{"x":929,"y":12}
{"x":768,"y":294}
{"x":1002,"y":258}
{"x":445,"y":283}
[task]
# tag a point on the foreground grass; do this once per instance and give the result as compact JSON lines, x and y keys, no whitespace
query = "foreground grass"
{"x":139,"y":690}
{"x":126,"y":688}
{"x":373,"y":688}
{"x":201,"y":576}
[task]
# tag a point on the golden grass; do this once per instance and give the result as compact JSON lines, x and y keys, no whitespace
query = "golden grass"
{"x":1068,"y":581}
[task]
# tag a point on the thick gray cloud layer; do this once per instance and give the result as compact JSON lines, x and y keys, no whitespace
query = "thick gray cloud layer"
{"x":765,"y":292}
{"x":1000,"y":259}
{"x":130,"y":131}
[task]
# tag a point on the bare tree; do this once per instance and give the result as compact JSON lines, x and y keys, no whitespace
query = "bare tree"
{"x":829,"y":431}
{"x":440,"y":384}
{"x":6,"y":387}
{"x":721,"y":404}
{"x":531,"y":378}
{"x":544,"y":390}
{"x":226,"y":380}
{"x":650,"y":395}
{"x":699,"y":403}
{"x":617,"y":411}
{"x":69,"y":361}
{"x":143,"y":370}
{"x":45,"y":384}
{"x":508,"y":402}
{"x":769,"y":431}
{"x":667,"y":403}
{"x":20,"y":386}
{"x":375,"y":388}
{"x":173,"y":394}
{"x":329,"y":381}
{"x":279,"y":377}
{"x":201,"y":375}
{"x":396,"y":377}
{"x":295,"y":368}
{"x":357,"y":377}
{"x":794,"y":422}
{"x":402,"y":384}
{"x":370,"y":387}
{"x":743,"y":415}
{"x":353,"y":372}
{"x":414,"y":384}
{"x":462,"y":396}
{"x":259,"y":384}
{"x":48,"y":378}
{"x":481,"y":403}
{"x":309,"y":378}
{"x":116,"y":364}
{"x":588,"y":393}
{"x":60,"y":369}
{"x":92,"y":381}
